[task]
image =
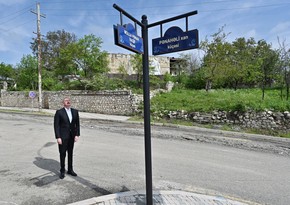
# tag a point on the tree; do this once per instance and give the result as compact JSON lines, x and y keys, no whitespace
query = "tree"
{"x":7,"y":74}
{"x":284,"y":67}
{"x":137,"y":65}
{"x":27,"y":73}
{"x":85,"y":57}
{"x":241,"y":60}
{"x":123,"y":71}
{"x":90,"y":59}
{"x":267,"y":60}
{"x":215,"y":61}
{"x":54,"y":42}
{"x":189,"y":63}
{"x":6,"y":71}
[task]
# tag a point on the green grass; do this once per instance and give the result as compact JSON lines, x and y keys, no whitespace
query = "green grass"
{"x":226,"y":100}
{"x":203,"y":101}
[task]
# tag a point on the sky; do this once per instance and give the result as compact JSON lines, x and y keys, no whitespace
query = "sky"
{"x":259,"y":19}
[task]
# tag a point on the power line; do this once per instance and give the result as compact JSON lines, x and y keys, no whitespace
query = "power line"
{"x":11,"y":19}
{"x":14,"y":27}
{"x":180,"y":5}
{"x":166,"y":6}
{"x":69,"y":1}
{"x":12,"y":16}
{"x":249,"y":7}
{"x":24,"y":9}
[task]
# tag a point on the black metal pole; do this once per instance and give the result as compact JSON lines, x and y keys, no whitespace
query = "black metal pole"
{"x":146,"y":97}
{"x":146,"y":89}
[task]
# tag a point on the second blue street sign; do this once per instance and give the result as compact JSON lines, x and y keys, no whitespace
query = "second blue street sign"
{"x":175,"y":40}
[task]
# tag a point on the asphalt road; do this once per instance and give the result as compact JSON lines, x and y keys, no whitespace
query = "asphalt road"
{"x":109,"y":158}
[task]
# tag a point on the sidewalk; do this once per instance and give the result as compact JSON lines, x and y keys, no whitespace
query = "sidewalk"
{"x":159,"y":198}
{"x":84,"y":115}
{"x":162,"y":197}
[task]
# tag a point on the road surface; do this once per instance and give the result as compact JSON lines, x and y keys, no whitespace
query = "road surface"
{"x":109,"y":158}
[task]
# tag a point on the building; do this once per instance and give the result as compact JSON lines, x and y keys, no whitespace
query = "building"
{"x":161,"y":64}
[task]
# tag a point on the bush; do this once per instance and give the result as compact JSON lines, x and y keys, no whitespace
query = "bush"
{"x":195,"y":81}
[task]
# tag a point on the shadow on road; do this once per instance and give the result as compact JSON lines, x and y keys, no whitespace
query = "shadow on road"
{"x":52,"y":166}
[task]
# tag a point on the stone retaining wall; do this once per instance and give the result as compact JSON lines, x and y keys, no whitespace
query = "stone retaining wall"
{"x":250,"y":119}
{"x":106,"y":102}
{"x":126,"y":103}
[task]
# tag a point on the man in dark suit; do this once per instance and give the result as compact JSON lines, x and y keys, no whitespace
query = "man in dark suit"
{"x":67,"y":132}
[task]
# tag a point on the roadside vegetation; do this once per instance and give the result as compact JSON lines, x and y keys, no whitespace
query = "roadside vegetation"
{"x":221,"y":99}
{"x":239,"y":75}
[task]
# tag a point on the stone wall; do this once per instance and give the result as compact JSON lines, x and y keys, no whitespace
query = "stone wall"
{"x":106,"y":102}
{"x":268,"y":120}
{"x":126,"y":103}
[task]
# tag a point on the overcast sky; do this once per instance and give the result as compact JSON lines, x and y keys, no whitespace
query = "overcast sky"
{"x":260,"y":19}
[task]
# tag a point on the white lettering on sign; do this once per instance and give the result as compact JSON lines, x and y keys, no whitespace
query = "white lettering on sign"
{"x":131,"y":36}
{"x":172,"y":46}
{"x":184,"y":38}
{"x":173,"y":40}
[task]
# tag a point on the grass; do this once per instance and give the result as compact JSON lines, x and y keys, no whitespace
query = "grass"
{"x":203,"y":101}
{"x":225,"y":99}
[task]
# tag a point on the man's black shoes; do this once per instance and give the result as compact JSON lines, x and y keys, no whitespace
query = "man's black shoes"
{"x":61,"y":176}
{"x":71,"y":172}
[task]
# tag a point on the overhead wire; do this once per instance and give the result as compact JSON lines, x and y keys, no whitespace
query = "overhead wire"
{"x":26,"y":9}
{"x":12,"y":16}
{"x":15,"y":17}
{"x":151,"y":7}
{"x":17,"y":26}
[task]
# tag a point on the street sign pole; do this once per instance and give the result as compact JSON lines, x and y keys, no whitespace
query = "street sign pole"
{"x":146,"y":96}
{"x":146,"y":99}
{"x":146,"y":84}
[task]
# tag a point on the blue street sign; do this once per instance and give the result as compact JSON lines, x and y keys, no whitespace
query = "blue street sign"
{"x":175,"y":40}
{"x":126,"y":37}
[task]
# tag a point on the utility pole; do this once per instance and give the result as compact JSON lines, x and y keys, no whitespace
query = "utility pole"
{"x":39,"y":54}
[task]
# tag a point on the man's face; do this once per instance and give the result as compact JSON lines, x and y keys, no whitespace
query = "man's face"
{"x":66,"y":102}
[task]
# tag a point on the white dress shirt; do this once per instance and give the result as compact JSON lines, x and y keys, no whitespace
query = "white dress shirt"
{"x":68,"y":112}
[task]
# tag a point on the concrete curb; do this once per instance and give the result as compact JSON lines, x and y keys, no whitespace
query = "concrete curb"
{"x":161,"y":197}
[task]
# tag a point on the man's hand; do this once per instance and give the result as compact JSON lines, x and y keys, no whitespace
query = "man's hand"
{"x":59,"y":141}
{"x":76,"y":138}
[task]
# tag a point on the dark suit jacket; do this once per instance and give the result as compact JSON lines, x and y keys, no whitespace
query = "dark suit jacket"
{"x":63,"y":128}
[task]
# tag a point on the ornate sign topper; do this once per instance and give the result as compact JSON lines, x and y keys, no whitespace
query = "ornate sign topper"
{"x":126,"y":37}
{"x":175,"y":40}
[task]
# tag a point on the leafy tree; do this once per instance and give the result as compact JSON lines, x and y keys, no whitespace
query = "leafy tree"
{"x":241,"y":62}
{"x":85,"y":57}
{"x":122,"y":70}
{"x":6,"y":71}
{"x":196,"y":80}
{"x":51,"y":47}
{"x":267,"y":60}
{"x":284,"y":67}
{"x":137,"y":65}
{"x":239,"y":59}
{"x":215,"y":61}
{"x":26,"y":77}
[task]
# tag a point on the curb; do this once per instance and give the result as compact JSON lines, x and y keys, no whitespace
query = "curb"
{"x":161,"y":197}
